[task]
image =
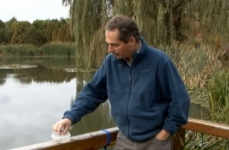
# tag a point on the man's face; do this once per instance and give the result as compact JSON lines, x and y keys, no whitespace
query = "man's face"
{"x":120,"y":49}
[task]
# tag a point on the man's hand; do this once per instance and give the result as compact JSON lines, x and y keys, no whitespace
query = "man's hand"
{"x":162,"y":135}
{"x":62,"y":126}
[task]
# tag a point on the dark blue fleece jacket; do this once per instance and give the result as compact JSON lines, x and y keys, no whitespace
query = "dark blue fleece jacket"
{"x":145,"y":97}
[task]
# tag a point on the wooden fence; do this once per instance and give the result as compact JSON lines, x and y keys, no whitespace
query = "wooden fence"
{"x":98,"y":139}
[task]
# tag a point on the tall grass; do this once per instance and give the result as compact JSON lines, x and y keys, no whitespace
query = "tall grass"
{"x":218,"y":90}
{"x":208,"y":83}
{"x":17,"y":50}
{"x":217,"y":87}
{"x":195,"y":66}
{"x":50,"y":49}
{"x":64,"y":50}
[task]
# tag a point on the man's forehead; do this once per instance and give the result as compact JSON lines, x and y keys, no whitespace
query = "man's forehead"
{"x":111,"y":36}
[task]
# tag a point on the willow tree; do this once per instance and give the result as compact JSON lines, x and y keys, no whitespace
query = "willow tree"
{"x":161,"y":22}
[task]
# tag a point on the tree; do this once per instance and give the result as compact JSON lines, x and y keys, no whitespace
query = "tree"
{"x":6,"y":33}
{"x":10,"y":22}
{"x":33,"y":36}
{"x":2,"y":32}
{"x":2,"y":24}
{"x":88,"y":20}
{"x":67,"y":36}
{"x":54,"y":36}
{"x":160,"y":22}
{"x":19,"y":31}
{"x":2,"y":36}
{"x":37,"y":33}
{"x":54,"y":30}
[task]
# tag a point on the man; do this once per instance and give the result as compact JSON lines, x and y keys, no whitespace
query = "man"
{"x":149,"y":101}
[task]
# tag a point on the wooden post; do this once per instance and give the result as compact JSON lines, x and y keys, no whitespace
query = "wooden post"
{"x":179,"y":139}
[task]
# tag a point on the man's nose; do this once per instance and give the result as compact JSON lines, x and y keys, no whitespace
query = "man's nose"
{"x":110,"y":49}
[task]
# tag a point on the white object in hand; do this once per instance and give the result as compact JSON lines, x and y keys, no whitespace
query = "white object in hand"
{"x":60,"y":138}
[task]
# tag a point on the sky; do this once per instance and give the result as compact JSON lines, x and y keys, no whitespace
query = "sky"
{"x":30,"y":10}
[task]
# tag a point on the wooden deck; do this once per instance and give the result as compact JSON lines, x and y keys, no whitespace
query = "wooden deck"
{"x":96,"y":140}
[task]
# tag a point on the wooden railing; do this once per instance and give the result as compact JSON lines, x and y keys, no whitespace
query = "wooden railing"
{"x":96,"y":140}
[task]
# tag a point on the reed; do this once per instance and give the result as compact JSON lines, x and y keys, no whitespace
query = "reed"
{"x":46,"y":50}
{"x":57,"y":50}
{"x":217,"y":87}
{"x":218,"y":90}
{"x":17,"y":50}
{"x":196,"y":65}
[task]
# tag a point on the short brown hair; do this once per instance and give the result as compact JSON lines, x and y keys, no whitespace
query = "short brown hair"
{"x":126,"y":26}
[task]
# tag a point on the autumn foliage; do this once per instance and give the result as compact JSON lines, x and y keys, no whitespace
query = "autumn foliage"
{"x":37,"y":33}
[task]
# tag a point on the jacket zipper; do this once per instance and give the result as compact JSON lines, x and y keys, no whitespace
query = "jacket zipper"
{"x":127,"y":103}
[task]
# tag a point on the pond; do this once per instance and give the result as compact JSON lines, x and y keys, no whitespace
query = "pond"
{"x":35,"y":92}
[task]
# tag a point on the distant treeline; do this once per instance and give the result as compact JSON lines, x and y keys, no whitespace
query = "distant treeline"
{"x":37,"y":33}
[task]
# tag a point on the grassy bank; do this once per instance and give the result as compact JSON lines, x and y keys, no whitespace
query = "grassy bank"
{"x":46,"y":50}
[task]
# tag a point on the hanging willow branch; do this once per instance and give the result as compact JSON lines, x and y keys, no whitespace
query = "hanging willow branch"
{"x":161,"y":22}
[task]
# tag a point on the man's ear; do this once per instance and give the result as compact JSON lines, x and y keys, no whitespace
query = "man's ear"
{"x":132,"y":40}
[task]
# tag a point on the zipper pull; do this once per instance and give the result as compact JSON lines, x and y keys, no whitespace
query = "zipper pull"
{"x":130,"y":78}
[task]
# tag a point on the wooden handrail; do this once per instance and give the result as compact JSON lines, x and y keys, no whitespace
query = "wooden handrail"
{"x":88,"y":141}
{"x":96,"y":140}
{"x":208,"y":127}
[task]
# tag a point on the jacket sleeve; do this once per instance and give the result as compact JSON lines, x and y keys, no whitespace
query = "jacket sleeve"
{"x":93,"y":94}
{"x":174,"y":90}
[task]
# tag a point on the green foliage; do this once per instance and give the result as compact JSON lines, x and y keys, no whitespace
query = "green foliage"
{"x":88,"y":20}
{"x":37,"y":33}
{"x":34,"y":37}
{"x":10,"y":22}
{"x":160,"y":22}
{"x":19,"y":32}
{"x":218,"y":89}
{"x":3,"y":36}
{"x":2,"y":25}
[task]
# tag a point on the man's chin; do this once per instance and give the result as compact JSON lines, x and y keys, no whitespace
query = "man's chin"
{"x":118,"y":57}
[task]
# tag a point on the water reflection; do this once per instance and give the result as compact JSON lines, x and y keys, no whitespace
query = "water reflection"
{"x":31,"y":101}
{"x":39,"y":74}
{"x":100,"y":119}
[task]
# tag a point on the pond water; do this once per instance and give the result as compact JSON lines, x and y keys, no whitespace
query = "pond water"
{"x":35,"y":92}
